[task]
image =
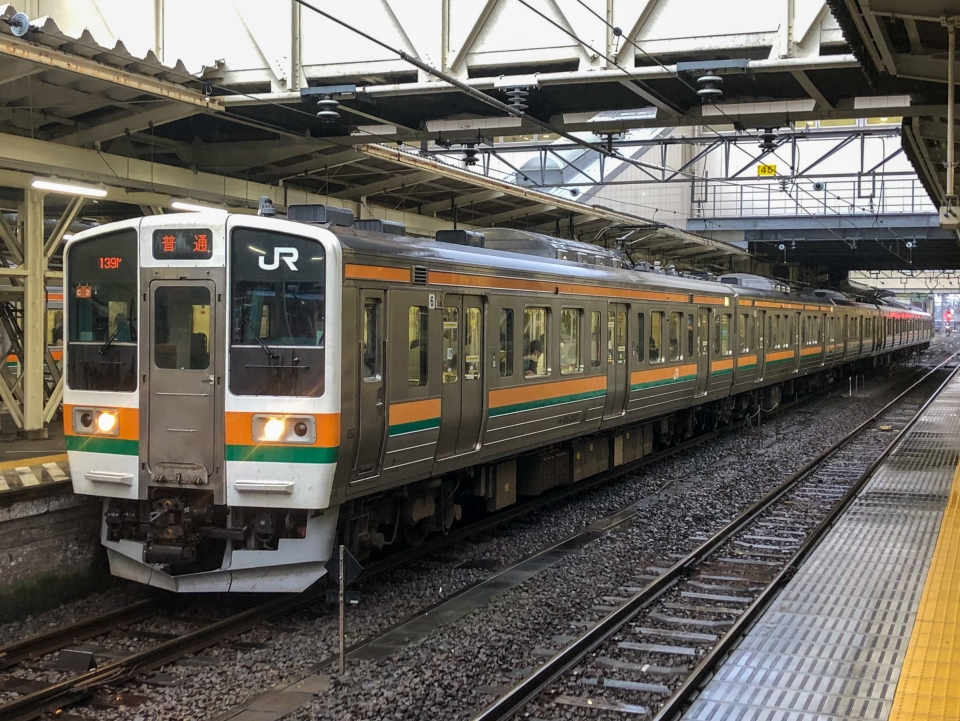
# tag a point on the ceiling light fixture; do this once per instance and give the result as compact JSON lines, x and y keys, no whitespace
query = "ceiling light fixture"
{"x":188,"y":206}
{"x":58,"y":186}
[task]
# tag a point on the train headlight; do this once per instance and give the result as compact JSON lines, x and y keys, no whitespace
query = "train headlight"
{"x":106,"y":422}
{"x":284,"y":429}
{"x":273,"y":429}
{"x":96,"y":421}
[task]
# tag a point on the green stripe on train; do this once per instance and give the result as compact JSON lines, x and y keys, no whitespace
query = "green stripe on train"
{"x":282,"y":454}
{"x":425,"y":425}
{"x":545,"y":403}
{"x":747,"y":367}
{"x":99,"y":444}
{"x":662,"y":382}
{"x":722,"y":372}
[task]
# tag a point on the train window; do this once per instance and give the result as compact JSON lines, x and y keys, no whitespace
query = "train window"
{"x":54,"y":327}
{"x":570,"y":320}
{"x":744,"y":333}
{"x":472,"y":343}
{"x":656,"y":337}
{"x":102,"y":303}
{"x":451,"y":344}
{"x":506,"y":342}
{"x":690,"y":335}
{"x":804,"y":331}
{"x":784,"y":332}
{"x":717,"y":333}
{"x":371,"y":360}
{"x":674,"y":345}
{"x":536,"y":344}
{"x":181,"y":327}
{"x":621,"y":337}
{"x":278,"y":315}
{"x":417,"y":325}
{"x":726,"y":327}
{"x":596,"y":337}
{"x":641,"y":335}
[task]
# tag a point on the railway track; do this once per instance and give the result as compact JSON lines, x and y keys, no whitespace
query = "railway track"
{"x":678,"y":622}
{"x":83,"y":686}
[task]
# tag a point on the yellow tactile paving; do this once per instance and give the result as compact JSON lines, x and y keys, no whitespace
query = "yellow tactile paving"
{"x":929,"y":686}
{"x":36,"y":461}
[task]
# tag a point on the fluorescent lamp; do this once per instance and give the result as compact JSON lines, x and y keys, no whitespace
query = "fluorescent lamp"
{"x":56,"y":186}
{"x":192,"y":207}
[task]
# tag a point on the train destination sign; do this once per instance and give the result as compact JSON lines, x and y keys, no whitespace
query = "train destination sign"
{"x":182,"y":244}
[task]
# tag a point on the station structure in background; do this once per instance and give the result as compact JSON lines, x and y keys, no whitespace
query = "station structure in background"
{"x":781,"y":137}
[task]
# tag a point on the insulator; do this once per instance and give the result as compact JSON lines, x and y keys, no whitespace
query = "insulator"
{"x":709,"y":92}
{"x":469,"y":155}
{"x":328,"y":109}
{"x":517,"y":97}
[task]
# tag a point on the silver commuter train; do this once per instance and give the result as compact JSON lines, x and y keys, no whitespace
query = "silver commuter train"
{"x":247,"y":392}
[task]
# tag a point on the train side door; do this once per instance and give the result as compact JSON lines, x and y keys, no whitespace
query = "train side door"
{"x":703,"y":348}
{"x":372,"y":346}
{"x":183,"y":417}
{"x":844,"y":337}
{"x":461,"y":388}
{"x":762,"y":336}
{"x":616,"y":360}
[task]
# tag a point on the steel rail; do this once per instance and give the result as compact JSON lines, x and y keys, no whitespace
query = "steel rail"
{"x":57,"y":638}
{"x":532,"y":686}
{"x":712,"y":659}
{"x":78,"y":688}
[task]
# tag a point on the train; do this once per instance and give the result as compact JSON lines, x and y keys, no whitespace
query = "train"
{"x":246,"y":392}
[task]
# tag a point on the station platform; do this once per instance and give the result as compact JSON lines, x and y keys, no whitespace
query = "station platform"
{"x":869,"y":627}
{"x":33,"y":465}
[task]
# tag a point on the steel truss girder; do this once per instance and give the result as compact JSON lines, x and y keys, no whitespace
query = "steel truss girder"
{"x":714,"y":144}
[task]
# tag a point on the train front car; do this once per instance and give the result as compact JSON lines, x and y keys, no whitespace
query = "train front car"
{"x":202,"y":399}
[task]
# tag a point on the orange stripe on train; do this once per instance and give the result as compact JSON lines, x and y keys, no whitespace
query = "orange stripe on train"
{"x":128,"y":418}
{"x":239,"y":427}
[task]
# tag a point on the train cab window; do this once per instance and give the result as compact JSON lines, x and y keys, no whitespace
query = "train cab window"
{"x":673,"y":347}
{"x":506,"y":342}
{"x":570,"y":321}
{"x":181,"y":327}
{"x":451,"y":344}
{"x":278,"y":316}
{"x":472,"y":343}
{"x":656,"y":337}
{"x":536,"y":344}
{"x":417,"y":325}
{"x":596,"y":337}
{"x":101,"y":296}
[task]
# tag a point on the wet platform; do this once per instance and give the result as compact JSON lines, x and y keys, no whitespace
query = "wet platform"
{"x":869,"y":627}
{"x":27,"y":465}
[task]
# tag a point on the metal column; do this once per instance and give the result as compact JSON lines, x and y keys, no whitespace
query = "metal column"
{"x":34,"y":307}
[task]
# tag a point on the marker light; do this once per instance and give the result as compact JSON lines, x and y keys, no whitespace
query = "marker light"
{"x":57,"y":186}
{"x":106,"y":422}
{"x":273,"y":430}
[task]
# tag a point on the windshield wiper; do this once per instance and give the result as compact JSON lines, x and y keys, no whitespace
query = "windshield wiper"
{"x":113,"y":336}
{"x":269,"y":351}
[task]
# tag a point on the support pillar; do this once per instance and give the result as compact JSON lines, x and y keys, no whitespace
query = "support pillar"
{"x":34,"y":307}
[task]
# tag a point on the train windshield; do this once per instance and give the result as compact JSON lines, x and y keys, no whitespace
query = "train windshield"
{"x":102,"y":309}
{"x":278,"y":307}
